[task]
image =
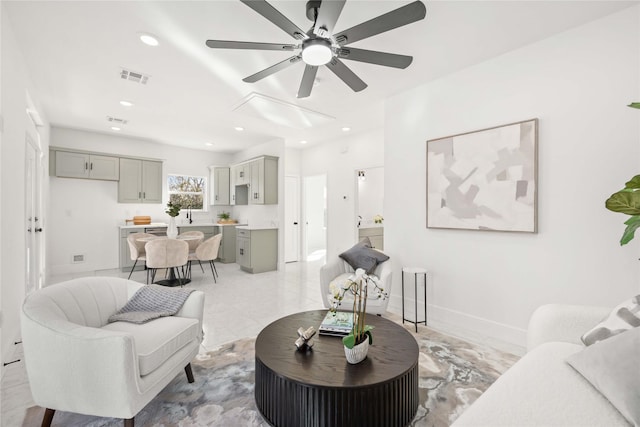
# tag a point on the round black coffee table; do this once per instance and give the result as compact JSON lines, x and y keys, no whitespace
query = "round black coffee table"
{"x":319,"y":387}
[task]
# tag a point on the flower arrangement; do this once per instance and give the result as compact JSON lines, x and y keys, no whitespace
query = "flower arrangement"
{"x":357,"y":285}
{"x":173,"y":209}
{"x":378,"y":219}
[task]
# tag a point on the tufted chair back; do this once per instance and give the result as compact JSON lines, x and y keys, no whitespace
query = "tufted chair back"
{"x":136,"y":248}
{"x":208,"y":250}
{"x":193,"y":244}
{"x":166,"y":253}
{"x":88,"y":301}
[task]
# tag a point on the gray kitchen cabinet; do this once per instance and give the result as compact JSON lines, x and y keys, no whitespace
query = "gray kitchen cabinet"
{"x":227,"y":251}
{"x":220,"y":188}
{"x":70,"y":164}
{"x":140,"y":181}
{"x":241,"y":173}
{"x":263,"y":186}
{"x":257,"y":250}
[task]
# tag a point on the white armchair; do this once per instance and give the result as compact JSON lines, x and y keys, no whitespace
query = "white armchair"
{"x":77,"y":362}
{"x":339,"y":269}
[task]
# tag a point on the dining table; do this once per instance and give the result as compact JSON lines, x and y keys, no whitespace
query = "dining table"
{"x":172,"y":280}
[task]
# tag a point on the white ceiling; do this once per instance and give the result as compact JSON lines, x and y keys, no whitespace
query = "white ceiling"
{"x":75,"y":49}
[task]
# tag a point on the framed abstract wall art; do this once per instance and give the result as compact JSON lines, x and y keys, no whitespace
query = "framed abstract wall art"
{"x":484,"y":180}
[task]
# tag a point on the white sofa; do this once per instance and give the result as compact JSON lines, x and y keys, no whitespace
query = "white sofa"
{"x":541,"y":389}
{"x":77,"y":362}
{"x":338,"y":269}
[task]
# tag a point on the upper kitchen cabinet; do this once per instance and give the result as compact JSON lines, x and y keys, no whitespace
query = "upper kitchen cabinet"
{"x":140,"y":181}
{"x":219,"y":188}
{"x":263,"y":185}
{"x":68,"y":164}
{"x":241,"y":173}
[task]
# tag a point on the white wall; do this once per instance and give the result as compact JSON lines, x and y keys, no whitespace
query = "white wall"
{"x":339,"y":160}
{"x":85,"y":214}
{"x":15,"y":87}
{"x":577,"y":83}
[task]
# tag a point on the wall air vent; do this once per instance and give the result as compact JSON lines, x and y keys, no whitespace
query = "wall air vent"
{"x":134,"y":76}
{"x":116,"y":120}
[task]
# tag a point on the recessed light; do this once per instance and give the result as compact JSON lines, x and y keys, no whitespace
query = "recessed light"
{"x":115,"y":128}
{"x":346,"y":129}
{"x":208,"y":144}
{"x":239,"y":128}
{"x":303,"y":142}
{"x":149,"y":40}
{"x":126,"y":103}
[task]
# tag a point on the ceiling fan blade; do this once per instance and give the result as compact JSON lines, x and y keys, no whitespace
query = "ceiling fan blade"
{"x":308,"y":78}
{"x":328,"y":14}
{"x":277,"y":18}
{"x":346,"y":75}
{"x":375,"y":57}
{"x":396,"y":18}
{"x":223,"y":44}
{"x":273,"y":69}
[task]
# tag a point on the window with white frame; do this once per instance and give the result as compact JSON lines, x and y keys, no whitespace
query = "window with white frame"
{"x":187,"y":191}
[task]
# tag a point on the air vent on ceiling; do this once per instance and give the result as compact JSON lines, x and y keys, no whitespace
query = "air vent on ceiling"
{"x":134,"y":76}
{"x":117,"y":120}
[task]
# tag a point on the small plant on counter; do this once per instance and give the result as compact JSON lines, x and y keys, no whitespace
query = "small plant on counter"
{"x":173,"y":209}
{"x":225,"y":216}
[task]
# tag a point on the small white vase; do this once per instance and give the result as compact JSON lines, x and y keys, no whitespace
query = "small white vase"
{"x":358,"y":353}
{"x":172,"y":230}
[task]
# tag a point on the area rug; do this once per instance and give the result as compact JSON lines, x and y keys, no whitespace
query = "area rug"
{"x":453,"y":373}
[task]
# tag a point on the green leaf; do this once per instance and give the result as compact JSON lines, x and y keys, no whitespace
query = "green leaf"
{"x":632,"y":225}
{"x":634,"y":105}
{"x":633,"y":183}
{"x":626,"y":202}
{"x":349,"y":341}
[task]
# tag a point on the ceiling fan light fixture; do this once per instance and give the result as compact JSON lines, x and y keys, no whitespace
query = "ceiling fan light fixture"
{"x":316,"y":51}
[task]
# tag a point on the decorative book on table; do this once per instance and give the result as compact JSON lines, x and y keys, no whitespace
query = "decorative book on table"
{"x":339,"y":323}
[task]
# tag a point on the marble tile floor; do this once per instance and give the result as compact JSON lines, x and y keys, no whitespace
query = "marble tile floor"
{"x":239,"y":305}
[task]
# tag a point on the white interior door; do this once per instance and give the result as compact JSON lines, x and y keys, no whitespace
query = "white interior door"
{"x":34,"y":171}
{"x":291,"y":218}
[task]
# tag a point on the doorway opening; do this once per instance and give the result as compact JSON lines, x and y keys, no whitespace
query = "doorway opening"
{"x":315,"y":217}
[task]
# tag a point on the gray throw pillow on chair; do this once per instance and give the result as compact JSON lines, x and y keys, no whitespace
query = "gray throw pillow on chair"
{"x":362,"y":255}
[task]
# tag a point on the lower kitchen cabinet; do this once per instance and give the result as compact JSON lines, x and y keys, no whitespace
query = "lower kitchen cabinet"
{"x":257,"y":250}
{"x":227,"y":252}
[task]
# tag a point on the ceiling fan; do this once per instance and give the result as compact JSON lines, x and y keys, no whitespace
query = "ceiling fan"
{"x":321,"y":46}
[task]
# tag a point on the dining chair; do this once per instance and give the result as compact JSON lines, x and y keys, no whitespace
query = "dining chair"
{"x":169,"y":254}
{"x":207,"y":251}
{"x":136,"y":248}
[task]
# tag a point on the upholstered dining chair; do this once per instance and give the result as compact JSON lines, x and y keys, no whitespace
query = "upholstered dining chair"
{"x":207,"y":251}
{"x":136,"y":248}
{"x":193,"y":243}
{"x":167,"y":253}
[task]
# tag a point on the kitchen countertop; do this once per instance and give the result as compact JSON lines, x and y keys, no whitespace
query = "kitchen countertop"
{"x":257,"y":227}
{"x":162,"y":224}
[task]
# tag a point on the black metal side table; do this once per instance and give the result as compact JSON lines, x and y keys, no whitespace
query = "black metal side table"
{"x":417,"y":272}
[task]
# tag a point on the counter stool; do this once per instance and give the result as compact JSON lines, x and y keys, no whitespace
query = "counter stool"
{"x":417,"y":272}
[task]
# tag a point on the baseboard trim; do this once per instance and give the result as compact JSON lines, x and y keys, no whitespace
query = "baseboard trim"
{"x":467,"y":326}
